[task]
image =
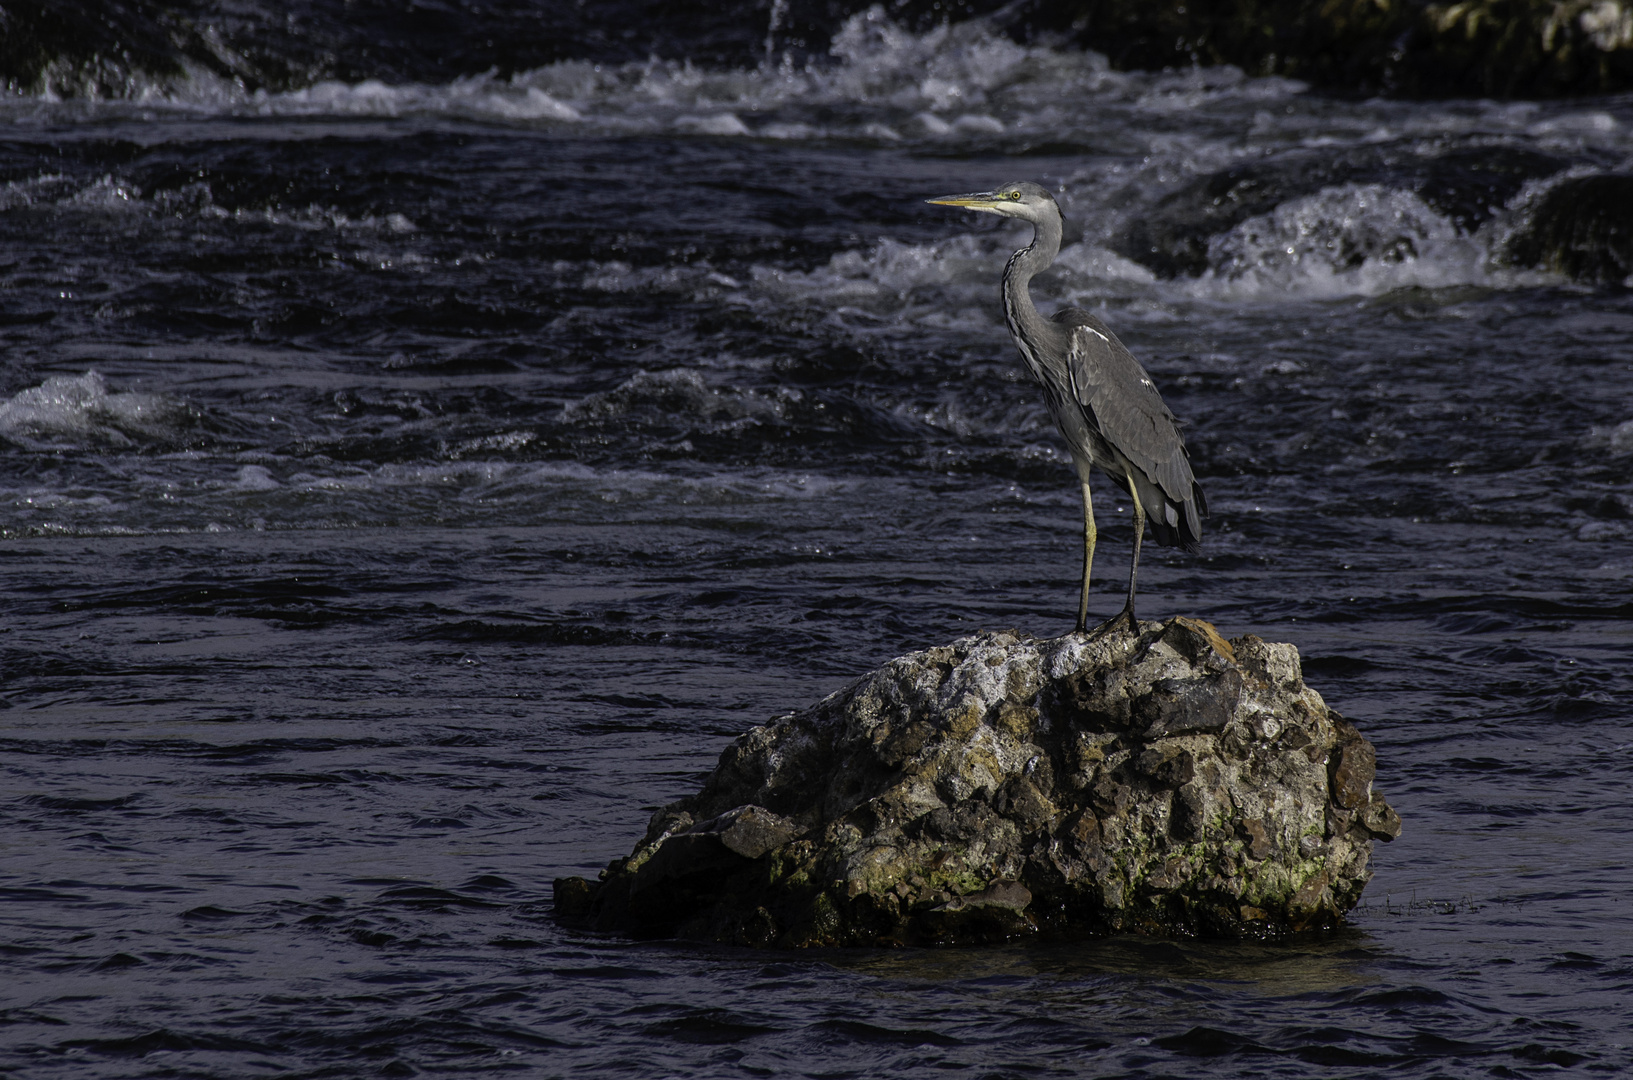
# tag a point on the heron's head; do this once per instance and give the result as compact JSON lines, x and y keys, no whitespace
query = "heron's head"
{"x":1023,"y":199}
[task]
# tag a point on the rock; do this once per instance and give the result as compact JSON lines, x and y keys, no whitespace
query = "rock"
{"x":1380,"y":819}
{"x":720,"y":844}
{"x":1581,"y":227}
{"x":1466,"y":184}
{"x":1352,"y":768}
{"x":1169,"y":782}
{"x":993,"y":914}
{"x":573,"y":896}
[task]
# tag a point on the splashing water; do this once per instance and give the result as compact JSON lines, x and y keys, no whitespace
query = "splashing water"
{"x":69,"y":410}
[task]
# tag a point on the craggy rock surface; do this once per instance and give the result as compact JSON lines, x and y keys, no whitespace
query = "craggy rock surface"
{"x":1169,"y":783}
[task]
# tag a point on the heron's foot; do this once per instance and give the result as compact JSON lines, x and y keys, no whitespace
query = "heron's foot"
{"x":1123,"y":620}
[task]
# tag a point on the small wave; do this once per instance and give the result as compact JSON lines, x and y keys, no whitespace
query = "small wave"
{"x":80,"y":410}
{"x":1618,"y":440}
{"x":891,"y":288}
{"x":880,"y":82}
{"x":478,"y":97}
{"x":112,"y":194}
{"x":890,"y":273}
{"x":680,"y":391}
{"x":620,"y":277}
{"x":709,"y":1027}
{"x":552,"y":486}
{"x":49,"y":188}
{"x":888,"y":270}
{"x":255,"y":478}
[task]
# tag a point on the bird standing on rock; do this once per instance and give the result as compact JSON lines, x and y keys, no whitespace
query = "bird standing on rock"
{"x":1101,"y":399}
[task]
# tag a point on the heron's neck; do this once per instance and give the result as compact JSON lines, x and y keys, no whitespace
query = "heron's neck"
{"x":1023,"y":318}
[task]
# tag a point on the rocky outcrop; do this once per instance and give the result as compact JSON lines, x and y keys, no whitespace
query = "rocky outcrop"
{"x":1169,"y":782}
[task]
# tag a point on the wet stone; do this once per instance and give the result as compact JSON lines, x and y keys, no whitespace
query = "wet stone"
{"x":1582,"y":227}
{"x":1380,"y":819}
{"x":1189,"y":706}
{"x":1353,"y":765}
{"x":1021,"y":801}
{"x":1167,"y":766}
{"x":1165,"y":782}
{"x":1189,"y":814}
{"x":573,"y":896}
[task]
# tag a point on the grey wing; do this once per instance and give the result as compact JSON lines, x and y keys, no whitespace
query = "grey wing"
{"x":1131,"y":415}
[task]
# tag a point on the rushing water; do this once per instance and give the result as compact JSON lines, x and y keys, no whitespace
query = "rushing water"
{"x":405,"y":488}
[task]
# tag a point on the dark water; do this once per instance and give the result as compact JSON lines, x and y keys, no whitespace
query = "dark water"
{"x":404,"y":488}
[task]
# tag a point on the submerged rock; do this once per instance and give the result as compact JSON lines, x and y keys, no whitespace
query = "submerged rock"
{"x":1581,"y":227}
{"x":1467,"y":185}
{"x":1166,"y":783}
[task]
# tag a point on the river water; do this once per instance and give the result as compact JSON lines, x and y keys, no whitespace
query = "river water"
{"x":405,"y":487}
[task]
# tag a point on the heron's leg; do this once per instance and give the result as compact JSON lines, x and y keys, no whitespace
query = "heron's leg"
{"x":1134,"y":564}
{"x":1088,"y":554}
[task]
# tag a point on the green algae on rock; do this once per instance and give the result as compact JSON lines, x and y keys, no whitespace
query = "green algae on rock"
{"x":1165,"y":783}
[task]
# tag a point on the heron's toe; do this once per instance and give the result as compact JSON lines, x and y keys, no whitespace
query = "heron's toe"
{"x":1116,"y":624}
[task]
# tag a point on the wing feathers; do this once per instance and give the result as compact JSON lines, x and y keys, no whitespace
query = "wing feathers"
{"x":1123,"y":403}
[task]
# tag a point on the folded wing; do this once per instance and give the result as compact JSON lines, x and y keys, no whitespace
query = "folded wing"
{"x":1123,"y":404}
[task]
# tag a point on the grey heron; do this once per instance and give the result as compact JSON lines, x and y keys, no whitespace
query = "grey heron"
{"x":1100,"y":397}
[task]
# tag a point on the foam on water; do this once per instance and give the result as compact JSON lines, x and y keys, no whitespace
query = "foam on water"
{"x":959,"y":83}
{"x":1617,"y":440}
{"x":953,"y":83}
{"x":681,"y":392}
{"x":887,"y":271}
{"x":293,"y":495}
{"x":1353,"y":240}
{"x":1348,"y":240}
{"x":114,"y":195}
{"x":460,"y":481}
{"x":478,"y":97}
{"x":80,"y":410}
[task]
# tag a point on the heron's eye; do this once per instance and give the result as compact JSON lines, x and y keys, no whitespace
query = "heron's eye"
{"x":1014,"y":196}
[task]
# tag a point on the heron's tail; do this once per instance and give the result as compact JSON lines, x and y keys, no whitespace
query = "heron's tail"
{"x":1176,"y":524}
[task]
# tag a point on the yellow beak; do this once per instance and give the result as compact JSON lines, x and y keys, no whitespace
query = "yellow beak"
{"x":980,"y":200}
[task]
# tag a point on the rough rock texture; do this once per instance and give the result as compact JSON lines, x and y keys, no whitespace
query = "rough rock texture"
{"x":1165,"y":783}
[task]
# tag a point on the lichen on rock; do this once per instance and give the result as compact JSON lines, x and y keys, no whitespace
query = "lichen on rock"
{"x":1169,"y":782}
